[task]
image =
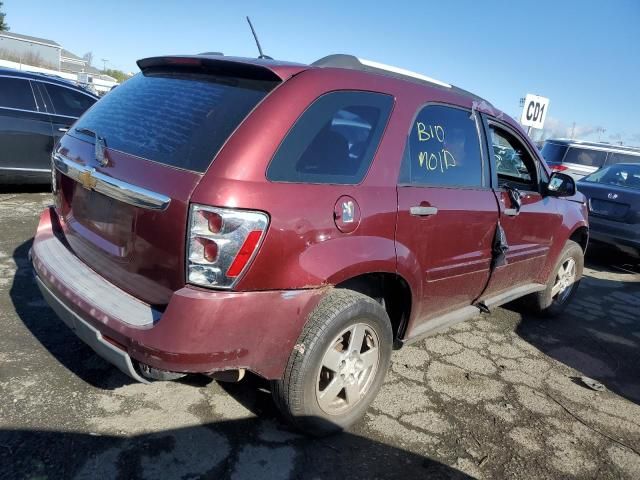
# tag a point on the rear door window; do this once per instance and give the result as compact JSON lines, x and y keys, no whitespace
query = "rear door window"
{"x":334,"y":140}
{"x":615,"y":157}
{"x":443,"y":149}
{"x":177,"y":119}
{"x":68,"y":102}
{"x":16,"y":93}
{"x":586,"y":157}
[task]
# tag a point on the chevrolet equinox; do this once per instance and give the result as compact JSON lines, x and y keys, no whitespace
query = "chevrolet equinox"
{"x":218,"y":215}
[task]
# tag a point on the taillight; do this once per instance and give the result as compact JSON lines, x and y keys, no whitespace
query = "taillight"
{"x":221,"y":244}
{"x":558,"y":168}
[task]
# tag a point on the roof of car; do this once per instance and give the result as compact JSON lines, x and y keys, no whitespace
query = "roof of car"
{"x":42,"y":76}
{"x":595,"y":145}
{"x":352,"y":62}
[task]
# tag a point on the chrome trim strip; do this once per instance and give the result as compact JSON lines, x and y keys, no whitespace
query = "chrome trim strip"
{"x":111,"y":187}
{"x":61,"y":84}
{"x":21,"y":169}
{"x":34,"y":111}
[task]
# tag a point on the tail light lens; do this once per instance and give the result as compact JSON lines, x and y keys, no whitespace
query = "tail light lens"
{"x":558,"y":168}
{"x":221,"y":244}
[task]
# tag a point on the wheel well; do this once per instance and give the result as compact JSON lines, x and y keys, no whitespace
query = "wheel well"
{"x":388,"y":289}
{"x":581,"y":237}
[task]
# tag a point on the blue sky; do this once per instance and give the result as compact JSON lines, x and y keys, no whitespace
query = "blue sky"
{"x":583,"y":55}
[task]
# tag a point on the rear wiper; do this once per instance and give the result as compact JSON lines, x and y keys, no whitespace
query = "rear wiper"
{"x":86,"y":131}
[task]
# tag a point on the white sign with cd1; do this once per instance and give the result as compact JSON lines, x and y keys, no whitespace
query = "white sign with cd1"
{"x":534,"y":111}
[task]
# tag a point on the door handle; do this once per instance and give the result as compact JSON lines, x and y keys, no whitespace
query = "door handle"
{"x":63,"y":130}
{"x":421,"y":211}
{"x":512,"y":212}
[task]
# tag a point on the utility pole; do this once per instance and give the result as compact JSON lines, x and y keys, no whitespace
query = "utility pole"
{"x":573,"y":130}
{"x":104,"y":63}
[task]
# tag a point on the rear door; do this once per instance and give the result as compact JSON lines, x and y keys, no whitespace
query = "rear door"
{"x":124,"y":199}
{"x":25,"y":130}
{"x":529,"y":228}
{"x":447,"y":212}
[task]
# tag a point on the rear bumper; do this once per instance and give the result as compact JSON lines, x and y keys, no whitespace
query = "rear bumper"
{"x":89,"y":335}
{"x":200,"y":331}
{"x":622,"y":235}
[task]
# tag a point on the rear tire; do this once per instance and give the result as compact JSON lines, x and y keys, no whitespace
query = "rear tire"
{"x":562,"y":284}
{"x":338,"y":365}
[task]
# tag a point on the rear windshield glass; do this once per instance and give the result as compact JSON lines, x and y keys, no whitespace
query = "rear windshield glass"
{"x":553,"y":152}
{"x":586,"y":157}
{"x":176,"y":119}
{"x":619,"y":175}
{"x":615,"y":157}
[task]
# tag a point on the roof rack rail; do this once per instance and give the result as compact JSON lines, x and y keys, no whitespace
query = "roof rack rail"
{"x":355,"y":63}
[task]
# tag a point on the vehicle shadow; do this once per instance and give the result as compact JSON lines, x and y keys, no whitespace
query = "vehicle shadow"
{"x":599,"y":333}
{"x":247,"y":448}
{"x":51,"y":332}
{"x":25,"y":188}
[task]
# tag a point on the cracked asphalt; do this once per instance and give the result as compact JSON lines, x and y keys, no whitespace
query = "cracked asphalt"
{"x":499,"y":396}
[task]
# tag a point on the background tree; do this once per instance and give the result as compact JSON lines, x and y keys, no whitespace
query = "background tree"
{"x":88,"y":57}
{"x":119,"y":75}
{"x":3,"y":26}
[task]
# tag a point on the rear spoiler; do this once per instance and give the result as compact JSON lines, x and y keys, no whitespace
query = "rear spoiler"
{"x":216,"y":64}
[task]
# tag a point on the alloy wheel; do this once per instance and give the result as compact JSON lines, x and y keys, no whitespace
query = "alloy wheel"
{"x":565,"y":280}
{"x":348,"y":368}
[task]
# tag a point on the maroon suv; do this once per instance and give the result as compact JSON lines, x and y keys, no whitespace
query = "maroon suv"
{"x":215,"y":215}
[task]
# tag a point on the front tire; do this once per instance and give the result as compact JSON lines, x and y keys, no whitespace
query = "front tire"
{"x":338,"y":365}
{"x":562,"y":284}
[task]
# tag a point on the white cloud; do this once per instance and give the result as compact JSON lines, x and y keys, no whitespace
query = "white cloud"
{"x":555,"y":128}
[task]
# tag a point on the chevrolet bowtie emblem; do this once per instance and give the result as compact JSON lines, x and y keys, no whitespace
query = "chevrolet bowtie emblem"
{"x":87,"y":180}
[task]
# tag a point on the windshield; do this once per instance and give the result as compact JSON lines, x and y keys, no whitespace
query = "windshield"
{"x":620,"y":175}
{"x":181,"y":120}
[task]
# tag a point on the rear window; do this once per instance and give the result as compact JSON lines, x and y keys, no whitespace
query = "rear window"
{"x":615,"y":157}
{"x":586,"y":157}
{"x":177,"y":119}
{"x":16,"y":93}
{"x":619,"y":175}
{"x":553,"y":152}
{"x":334,"y":140}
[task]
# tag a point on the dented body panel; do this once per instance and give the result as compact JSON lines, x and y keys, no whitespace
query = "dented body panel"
{"x":200,"y":331}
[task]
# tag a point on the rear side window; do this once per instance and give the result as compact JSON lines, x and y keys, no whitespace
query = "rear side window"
{"x":68,"y":102}
{"x":615,"y":157}
{"x":586,"y":157}
{"x":16,"y":93}
{"x":443,"y":149}
{"x":553,"y":152}
{"x":334,"y":140}
{"x":177,"y":119}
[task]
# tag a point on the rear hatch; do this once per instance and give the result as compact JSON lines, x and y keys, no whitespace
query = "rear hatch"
{"x":124,"y":198}
{"x":612,"y":203}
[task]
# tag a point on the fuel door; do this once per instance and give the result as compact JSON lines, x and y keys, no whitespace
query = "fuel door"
{"x":346,"y":214}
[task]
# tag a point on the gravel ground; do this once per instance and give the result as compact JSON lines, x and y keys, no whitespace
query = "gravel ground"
{"x":499,"y":396}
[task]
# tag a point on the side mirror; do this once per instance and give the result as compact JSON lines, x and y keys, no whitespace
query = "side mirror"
{"x":561,"y":185}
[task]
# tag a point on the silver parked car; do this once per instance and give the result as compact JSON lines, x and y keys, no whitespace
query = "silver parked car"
{"x":579,"y":158}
